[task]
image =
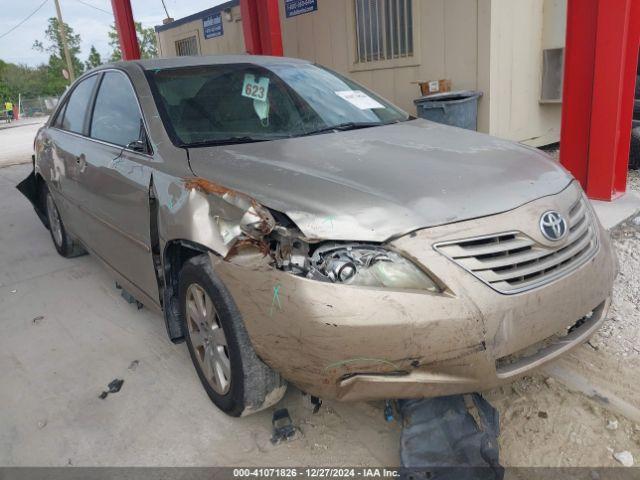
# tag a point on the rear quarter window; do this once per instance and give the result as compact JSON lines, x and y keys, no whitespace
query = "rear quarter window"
{"x":77,"y":107}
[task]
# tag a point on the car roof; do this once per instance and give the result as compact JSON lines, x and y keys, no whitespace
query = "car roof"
{"x":197,"y":61}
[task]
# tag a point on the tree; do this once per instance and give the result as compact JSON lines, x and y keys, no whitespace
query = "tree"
{"x":146,"y":39}
{"x":94,"y":59}
{"x":54,"y":48}
{"x":29,"y":81}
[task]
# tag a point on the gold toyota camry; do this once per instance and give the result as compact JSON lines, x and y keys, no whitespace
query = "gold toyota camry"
{"x":292,"y":226}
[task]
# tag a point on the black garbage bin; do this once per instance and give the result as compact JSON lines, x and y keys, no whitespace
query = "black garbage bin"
{"x":458,"y":109}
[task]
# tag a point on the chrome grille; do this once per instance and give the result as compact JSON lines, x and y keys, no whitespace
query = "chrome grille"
{"x":513,"y":262}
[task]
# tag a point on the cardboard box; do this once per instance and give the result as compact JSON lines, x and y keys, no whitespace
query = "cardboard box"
{"x":434,"y":86}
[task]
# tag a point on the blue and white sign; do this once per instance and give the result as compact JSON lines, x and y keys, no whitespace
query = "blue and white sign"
{"x":293,"y":8}
{"x":212,"y":26}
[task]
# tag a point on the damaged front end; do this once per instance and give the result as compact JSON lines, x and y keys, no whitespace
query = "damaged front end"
{"x":328,"y":315}
{"x":273,"y":235}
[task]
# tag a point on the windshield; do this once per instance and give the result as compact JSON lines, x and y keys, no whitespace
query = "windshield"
{"x":236,"y":103}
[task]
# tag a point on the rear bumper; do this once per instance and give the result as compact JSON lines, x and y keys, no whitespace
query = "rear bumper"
{"x":352,"y":343}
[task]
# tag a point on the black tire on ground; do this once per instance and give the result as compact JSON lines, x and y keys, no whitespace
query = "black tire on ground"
{"x":62,"y":241}
{"x":634,"y":149}
{"x":253,"y":385}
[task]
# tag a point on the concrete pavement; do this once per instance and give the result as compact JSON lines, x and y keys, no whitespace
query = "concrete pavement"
{"x":16,"y":140}
{"x":65,"y":333}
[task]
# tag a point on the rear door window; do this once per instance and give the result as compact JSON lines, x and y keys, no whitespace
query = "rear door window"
{"x":78,"y":106}
{"x":116,"y":115}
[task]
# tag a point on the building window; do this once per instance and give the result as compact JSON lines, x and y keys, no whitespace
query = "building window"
{"x":384,"y":29}
{"x":552,"y":74}
{"x":187,"y":46}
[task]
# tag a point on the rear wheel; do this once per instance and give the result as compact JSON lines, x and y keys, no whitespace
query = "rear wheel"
{"x":65,"y":245}
{"x":233,"y":376}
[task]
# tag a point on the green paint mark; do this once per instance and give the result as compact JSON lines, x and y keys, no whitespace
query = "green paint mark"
{"x":275,"y":301}
{"x":330,"y":220}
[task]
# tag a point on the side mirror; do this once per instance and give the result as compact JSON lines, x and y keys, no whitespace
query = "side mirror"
{"x":137,"y":146}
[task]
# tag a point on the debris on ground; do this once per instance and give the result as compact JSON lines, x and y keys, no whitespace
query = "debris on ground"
{"x":317,"y":403}
{"x":133,"y":365}
{"x":450,"y":437}
{"x":625,"y":458}
{"x":283,"y":428}
{"x":114,"y":387}
{"x":612,"y":425}
{"x":130,"y":299}
{"x":37,"y":320}
{"x":42,"y":424}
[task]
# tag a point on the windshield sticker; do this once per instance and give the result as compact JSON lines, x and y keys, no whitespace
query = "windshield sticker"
{"x":359,"y":99}
{"x":262,"y":110}
{"x":256,"y":89}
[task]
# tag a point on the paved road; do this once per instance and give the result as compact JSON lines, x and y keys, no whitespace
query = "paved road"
{"x":65,"y":333}
{"x":16,"y":141}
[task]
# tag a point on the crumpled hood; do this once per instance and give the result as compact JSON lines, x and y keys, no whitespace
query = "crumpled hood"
{"x":377,"y":183}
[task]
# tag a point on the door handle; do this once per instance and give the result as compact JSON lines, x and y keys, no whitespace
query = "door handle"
{"x":81,"y":161}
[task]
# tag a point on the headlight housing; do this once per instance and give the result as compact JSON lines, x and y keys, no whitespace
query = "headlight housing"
{"x":368,"y":266}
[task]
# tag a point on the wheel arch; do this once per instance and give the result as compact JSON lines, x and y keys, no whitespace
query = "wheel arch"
{"x":175,"y":254}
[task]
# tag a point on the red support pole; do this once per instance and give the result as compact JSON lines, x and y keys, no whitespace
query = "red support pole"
{"x":577,"y":96}
{"x":270,"y":32}
{"x":126,"y":29}
{"x":629,"y":90}
{"x":601,"y":55}
{"x":261,"y":27}
{"x":251,"y":27}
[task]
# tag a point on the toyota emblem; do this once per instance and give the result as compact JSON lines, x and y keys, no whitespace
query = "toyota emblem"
{"x":553,"y":226}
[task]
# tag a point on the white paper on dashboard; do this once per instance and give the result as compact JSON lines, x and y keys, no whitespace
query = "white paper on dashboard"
{"x":359,"y":99}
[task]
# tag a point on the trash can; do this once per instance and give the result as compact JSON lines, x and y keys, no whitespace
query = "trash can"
{"x":458,"y":109}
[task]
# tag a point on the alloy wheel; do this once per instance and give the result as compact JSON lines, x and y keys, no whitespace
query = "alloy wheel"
{"x":208,"y":339}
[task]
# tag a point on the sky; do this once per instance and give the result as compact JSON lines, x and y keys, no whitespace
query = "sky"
{"x":91,"y":23}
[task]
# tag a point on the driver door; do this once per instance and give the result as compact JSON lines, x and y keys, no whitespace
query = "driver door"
{"x":115,"y":179}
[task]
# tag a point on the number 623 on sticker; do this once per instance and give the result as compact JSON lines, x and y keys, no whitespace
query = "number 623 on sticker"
{"x":255,"y":88}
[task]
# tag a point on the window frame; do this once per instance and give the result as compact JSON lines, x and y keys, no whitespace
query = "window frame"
{"x":62,"y":110}
{"x":93,"y":108}
{"x":408,"y":61}
{"x":92,"y":104}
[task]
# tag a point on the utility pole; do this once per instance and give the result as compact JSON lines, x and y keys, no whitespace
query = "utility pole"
{"x":65,"y":47}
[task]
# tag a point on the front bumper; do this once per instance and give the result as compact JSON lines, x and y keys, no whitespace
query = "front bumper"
{"x":353,"y":343}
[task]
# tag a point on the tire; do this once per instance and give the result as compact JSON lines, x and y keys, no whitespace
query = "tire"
{"x":634,"y":149}
{"x":62,"y":241}
{"x":233,"y":376}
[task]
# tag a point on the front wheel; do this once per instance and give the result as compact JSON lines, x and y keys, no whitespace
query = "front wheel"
{"x":233,"y":376}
